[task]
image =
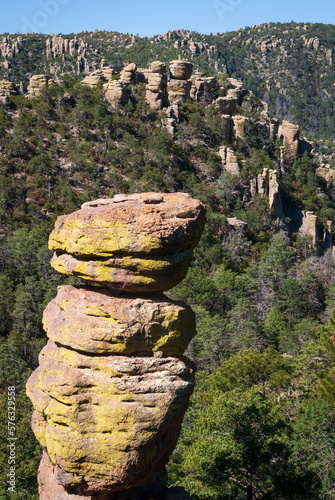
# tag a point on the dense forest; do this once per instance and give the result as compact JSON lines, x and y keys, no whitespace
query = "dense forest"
{"x":261,"y":423}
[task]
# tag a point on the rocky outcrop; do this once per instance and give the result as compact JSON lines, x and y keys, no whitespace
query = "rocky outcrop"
{"x":203,"y":87}
{"x":112,"y":384}
{"x":266,"y":184}
{"x":129,"y":243}
{"x":229,"y":160}
{"x":156,"y":80}
{"x":180,"y":70}
{"x":128,"y":74}
{"x":326,"y":173}
{"x":226,"y":105}
{"x":239,"y":124}
{"x":36,"y":84}
{"x":116,"y":92}
{"x":290,"y":134}
{"x":6,"y":90}
{"x":320,"y":238}
{"x":179,"y":84}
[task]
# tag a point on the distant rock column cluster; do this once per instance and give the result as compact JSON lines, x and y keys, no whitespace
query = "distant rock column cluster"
{"x":112,"y":386}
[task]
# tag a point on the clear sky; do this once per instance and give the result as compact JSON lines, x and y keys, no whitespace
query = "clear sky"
{"x":150,"y":17}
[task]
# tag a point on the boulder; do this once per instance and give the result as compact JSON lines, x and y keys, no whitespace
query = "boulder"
{"x":116,"y":91}
{"x":135,"y":243}
{"x":7,"y":89}
{"x":226,"y":105}
{"x":180,"y":70}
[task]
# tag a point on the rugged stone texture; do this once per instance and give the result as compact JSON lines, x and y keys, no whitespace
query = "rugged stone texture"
{"x":128,"y":74}
{"x":179,"y":90}
{"x":156,"y":85}
{"x":116,"y":91}
{"x":229,"y":160}
{"x":239,"y":125}
{"x":140,"y":242}
{"x":290,"y":134}
{"x":203,"y":87}
{"x":180,"y":70}
{"x":226,"y":105}
{"x":98,"y":322}
{"x":108,"y":421}
{"x":94,"y":78}
{"x":326,"y":173}
{"x":112,"y":385}
{"x":36,"y":84}
{"x":154,"y":489}
{"x":7,"y":89}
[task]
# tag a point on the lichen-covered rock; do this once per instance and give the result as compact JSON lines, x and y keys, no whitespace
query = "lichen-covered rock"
{"x":108,"y":422}
{"x":98,"y":322}
{"x":135,"y":243}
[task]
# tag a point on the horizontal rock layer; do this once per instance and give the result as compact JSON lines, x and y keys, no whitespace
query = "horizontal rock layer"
{"x":136,"y":243}
{"x":95,"y":321}
{"x":108,"y":422}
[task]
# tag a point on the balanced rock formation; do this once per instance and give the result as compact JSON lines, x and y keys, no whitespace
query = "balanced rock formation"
{"x":134,"y":243}
{"x":112,"y":385}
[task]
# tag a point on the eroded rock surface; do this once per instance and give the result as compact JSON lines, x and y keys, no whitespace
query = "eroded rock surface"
{"x":108,"y":420}
{"x":112,"y":385}
{"x":136,"y":243}
{"x":98,"y":322}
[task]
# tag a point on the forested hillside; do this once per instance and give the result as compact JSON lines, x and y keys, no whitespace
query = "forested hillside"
{"x":262,"y":419}
{"x":290,"y":66}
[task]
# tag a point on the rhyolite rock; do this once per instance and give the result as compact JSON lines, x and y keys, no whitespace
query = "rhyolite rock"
{"x":98,"y":322}
{"x":134,"y":243}
{"x":112,"y":385}
{"x":108,"y":421}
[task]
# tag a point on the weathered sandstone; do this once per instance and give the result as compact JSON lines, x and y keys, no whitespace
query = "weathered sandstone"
{"x":108,"y":421}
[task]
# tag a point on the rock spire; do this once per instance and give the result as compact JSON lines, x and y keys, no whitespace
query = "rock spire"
{"x":112,"y":385}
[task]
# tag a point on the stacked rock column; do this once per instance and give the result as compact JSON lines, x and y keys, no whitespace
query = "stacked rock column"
{"x":113,"y":386}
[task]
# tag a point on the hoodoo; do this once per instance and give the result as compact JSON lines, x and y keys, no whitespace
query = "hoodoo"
{"x":112,"y":385}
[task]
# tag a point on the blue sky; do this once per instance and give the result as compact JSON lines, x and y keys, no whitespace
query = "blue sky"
{"x":149,"y":17}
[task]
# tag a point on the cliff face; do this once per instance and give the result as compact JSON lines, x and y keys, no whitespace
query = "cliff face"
{"x":112,"y":385}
